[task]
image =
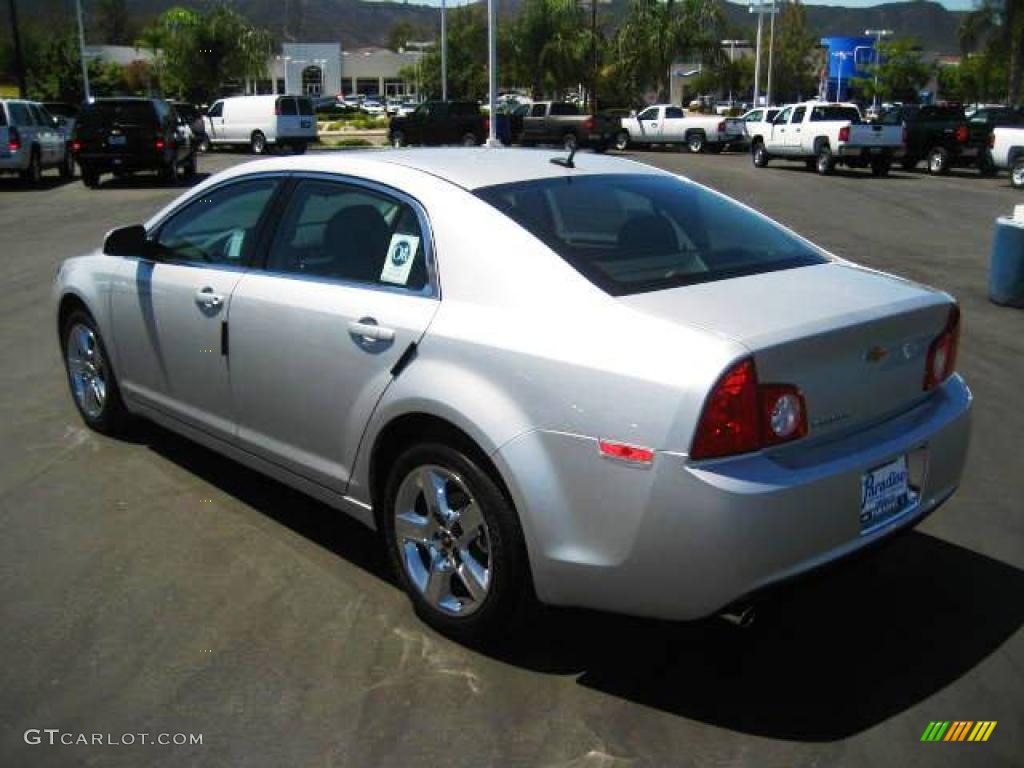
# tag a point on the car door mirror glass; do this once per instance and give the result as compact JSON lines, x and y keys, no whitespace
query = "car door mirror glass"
{"x":128,"y":241}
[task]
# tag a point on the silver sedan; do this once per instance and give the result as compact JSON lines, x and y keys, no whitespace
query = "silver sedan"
{"x":590,"y":383}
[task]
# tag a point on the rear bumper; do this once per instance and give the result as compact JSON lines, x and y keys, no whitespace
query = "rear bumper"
{"x":682,"y":540}
{"x":869,"y":153}
{"x":13,"y":162}
{"x":135,"y":161}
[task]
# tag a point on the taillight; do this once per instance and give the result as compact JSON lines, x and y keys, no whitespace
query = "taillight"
{"x":941,"y":360}
{"x":588,"y":124}
{"x":76,"y":146}
{"x":844,"y":133}
{"x":159,"y":144}
{"x":13,"y":139}
{"x":962,"y":134}
{"x":741,"y":415}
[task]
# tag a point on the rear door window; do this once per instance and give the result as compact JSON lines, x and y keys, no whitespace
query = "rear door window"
{"x":674,"y":113}
{"x":346,"y":232}
{"x":563,"y":109}
{"x":537,"y":110}
{"x":798,"y":115}
{"x":123,"y":113}
{"x":305,"y":106}
{"x":20,"y":115}
{"x":755,"y":117}
{"x":287,"y":105}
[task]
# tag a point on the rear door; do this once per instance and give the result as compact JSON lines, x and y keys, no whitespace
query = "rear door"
{"x":170,"y":313}
{"x":288,"y":120}
{"x":650,"y":125}
{"x":673,"y":126}
{"x":533,"y":123}
{"x":347,"y":287}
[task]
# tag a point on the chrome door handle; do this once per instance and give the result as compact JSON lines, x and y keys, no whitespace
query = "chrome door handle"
{"x":205,"y":297}
{"x":365,"y":329}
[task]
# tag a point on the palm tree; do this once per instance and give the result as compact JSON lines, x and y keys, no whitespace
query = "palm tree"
{"x":997,"y":26}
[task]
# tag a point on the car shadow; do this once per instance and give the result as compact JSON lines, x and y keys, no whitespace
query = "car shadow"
{"x":896,"y":174}
{"x":49,"y":181}
{"x":829,"y":656}
{"x":146,"y":180}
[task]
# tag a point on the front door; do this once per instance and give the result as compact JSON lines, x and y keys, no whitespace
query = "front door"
{"x":315,"y":335}
{"x":776,"y":139}
{"x":169,"y":311}
{"x":794,"y":131}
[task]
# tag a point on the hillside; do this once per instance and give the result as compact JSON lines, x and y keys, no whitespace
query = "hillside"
{"x":358,"y":23}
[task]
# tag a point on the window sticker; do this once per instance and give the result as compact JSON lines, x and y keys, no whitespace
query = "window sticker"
{"x":401,"y":254}
{"x":233,"y":249}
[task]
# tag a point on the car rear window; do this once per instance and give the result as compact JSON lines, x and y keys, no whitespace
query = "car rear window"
{"x":821,"y":114}
{"x":305,"y":106}
{"x":562,"y":109}
{"x":636,"y":233}
{"x":120,"y":112}
{"x":286,"y":106}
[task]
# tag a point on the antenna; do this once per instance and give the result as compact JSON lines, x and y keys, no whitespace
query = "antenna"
{"x":566,"y":162}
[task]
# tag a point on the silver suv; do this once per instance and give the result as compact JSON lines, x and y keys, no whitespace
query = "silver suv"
{"x":31,"y":141}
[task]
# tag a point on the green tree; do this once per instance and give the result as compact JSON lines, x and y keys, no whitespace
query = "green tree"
{"x":900,"y":72}
{"x":794,"y":75}
{"x":995,"y":30}
{"x":467,"y":57}
{"x":549,"y":46}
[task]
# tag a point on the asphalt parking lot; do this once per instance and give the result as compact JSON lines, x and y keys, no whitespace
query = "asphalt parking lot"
{"x":150,"y":586}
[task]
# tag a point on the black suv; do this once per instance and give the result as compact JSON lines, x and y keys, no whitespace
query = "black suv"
{"x":440,"y":122}
{"x":940,"y":135}
{"x":124,"y":135}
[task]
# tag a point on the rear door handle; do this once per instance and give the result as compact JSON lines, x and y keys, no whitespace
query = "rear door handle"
{"x":205,"y":297}
{"x":368,"y":329}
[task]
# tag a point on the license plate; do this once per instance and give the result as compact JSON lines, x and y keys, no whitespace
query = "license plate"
{"x":117,"y":141}
{"x":885,"y":494}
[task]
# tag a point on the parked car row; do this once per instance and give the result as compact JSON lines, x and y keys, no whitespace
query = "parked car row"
{"x":32,"y":141}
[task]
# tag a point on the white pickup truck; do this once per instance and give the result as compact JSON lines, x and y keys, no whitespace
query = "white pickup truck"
{"x":668,"y":124}
{"x":1008,"y":152}
{"x":825,"y":135}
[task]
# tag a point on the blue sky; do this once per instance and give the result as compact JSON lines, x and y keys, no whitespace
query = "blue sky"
{"x":955,"y":5}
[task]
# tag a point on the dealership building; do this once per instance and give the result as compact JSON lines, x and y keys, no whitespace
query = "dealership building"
{"x":324,"y":69}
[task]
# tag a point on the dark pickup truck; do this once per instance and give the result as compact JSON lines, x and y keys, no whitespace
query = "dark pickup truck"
{"x":558,"y":122}
{"x":941,"y":135}
{"x":440,"y":122}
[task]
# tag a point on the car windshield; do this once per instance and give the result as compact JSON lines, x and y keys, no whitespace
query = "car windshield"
{"x":644,"y":232}
{"x":121,"y":112}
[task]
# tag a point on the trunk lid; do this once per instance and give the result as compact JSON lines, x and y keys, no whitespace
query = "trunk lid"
{"x":853,"y":341}
{"x":875,"y":135}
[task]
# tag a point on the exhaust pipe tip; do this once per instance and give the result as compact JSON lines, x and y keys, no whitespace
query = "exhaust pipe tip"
{"x":741,"y":616}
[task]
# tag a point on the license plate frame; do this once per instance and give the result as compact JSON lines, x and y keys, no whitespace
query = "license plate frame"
{"x":117,"y":141}
{"x":886,"y":493}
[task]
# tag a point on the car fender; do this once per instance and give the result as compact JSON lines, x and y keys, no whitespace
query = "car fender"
{"x":89,"y":279}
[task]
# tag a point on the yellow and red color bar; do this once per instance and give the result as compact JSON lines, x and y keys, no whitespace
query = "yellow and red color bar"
{"x":959,"y":730}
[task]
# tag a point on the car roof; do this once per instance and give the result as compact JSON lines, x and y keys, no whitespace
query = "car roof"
{"x":467,"y":167}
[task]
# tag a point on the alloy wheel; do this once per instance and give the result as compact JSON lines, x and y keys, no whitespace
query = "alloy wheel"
{"x":621,"y":141}
{"x":443,"y":540}
{"x":87,"y":369}
{"x":1017,"y":175}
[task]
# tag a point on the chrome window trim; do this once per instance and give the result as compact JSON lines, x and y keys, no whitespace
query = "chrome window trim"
{"x":432,"y":289}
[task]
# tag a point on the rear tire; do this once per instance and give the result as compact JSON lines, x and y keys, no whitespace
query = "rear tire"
{"x":33,"y":174}
{"x":397,"y":139}
{"x":824,"y":163}
{"x":258,"y":143}
{"x":90,"y":177}
{"x":938,"y":161}
{"x":696,"y":141}
{"x":1017,"y":173}
{"x":67,"y":168}
{"x":880,"y":166}
{"x":433,"y":550}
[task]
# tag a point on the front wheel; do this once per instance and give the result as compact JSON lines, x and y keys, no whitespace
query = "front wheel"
{"x":759,"y":155}
{"x":570,"y":142}
{"x":93,"y":385}
{"x":397,"y":139}
{"x":621,"y":140}
{"x":1017,"y":174}
{"x":257,"y":143}
{"x":455,"y":542}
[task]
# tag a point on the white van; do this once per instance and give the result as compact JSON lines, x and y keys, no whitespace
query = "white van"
{"x":262,"y":121}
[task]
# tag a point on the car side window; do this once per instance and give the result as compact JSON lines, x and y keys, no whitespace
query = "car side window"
{"x":346,"y":232}
{"x":651,"y":113}
{"x":783,"y":117}
{"x":20,"y":116}
{"x":674,"y":113}
{"x":288,"y":106}
{"x":798,"y":115}
{"x":218,"y":227}
{"x":754,"y":117}
{"x":537,"y":110}
{"x":216,"y":110}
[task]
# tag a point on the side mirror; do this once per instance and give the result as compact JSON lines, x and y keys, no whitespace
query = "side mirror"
{"x":128,"y":241}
